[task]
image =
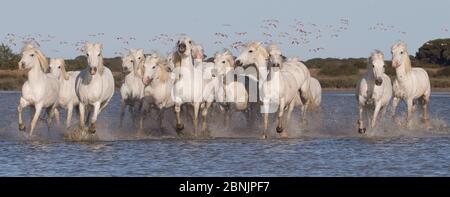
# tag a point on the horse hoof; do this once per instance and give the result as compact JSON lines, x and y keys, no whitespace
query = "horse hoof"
{"x":22,"y":127}
{"x":279,"y":129}
{"x":180,"y":127}
{"x":264,"y":136}
{"x":92,"y":129}
{"x":363,"y":130}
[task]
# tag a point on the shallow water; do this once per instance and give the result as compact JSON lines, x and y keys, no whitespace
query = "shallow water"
{"x":328,"y":146}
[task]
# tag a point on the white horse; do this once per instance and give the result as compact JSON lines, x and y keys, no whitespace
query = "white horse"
{"x":314,"y":95}
{"x":409,"y":83}
{"x":188,"y":82}
{"x":232,"y":93}
{"x":158,"y":86}
{"x":279,"y":88}
{"x":373,"y":90}
{"x":132,"y":89}
{"x":212,"y":88}
{"x":310,"y":94}
{"x":94,"y":85}
{"x":67,"y":97}
{"x":40,"y":90}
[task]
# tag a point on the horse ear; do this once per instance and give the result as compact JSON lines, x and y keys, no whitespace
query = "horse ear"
{"x":140,"y":51}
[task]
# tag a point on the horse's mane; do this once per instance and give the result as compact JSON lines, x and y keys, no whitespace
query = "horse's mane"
{"x":260,"y":49}
{"x":376,"y":54}
{"x":64,"y":74}
{"x":41,"y":57}
{"x":163,"y":72}
{"x":228,"y":56}
{"x":176,"y":59}
{"x":401,"y":45}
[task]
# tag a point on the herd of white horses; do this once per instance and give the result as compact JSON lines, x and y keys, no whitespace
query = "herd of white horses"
{"x":259,"y":80}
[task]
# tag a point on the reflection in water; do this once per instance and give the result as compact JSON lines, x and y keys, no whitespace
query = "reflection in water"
{"x":329,"y":146}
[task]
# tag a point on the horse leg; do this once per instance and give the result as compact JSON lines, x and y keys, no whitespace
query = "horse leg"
{"x":375,"y":115}
{"x":195,"y":119}
{"x":37,"y":113}
{"x":266,"y":124}
{"x":69,"y":114}
{"x":361,"y":128}
{"x":395,"y":102}
{"x":289,"y":113}
{"x":426,"y":118}
{"x":409,"y":103}
{"x":82,"y":109}
{"x":122,"y":113}
{"x":23,"y":103}
{"x":280,"y":128}
{"x":266,"y":109}
{"x":204,"y":114}
{"x":53,"y":111}
{"x":96,"y":111}
{"x":179,"y":124}
{"x":160,"y":119}
{"x":142,"y":117}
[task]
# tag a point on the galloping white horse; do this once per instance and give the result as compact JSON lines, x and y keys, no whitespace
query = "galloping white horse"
{"x":410,"y":83}
{"x":40,"y":90}
{"x":373,"y":90}
{"x":132,"y":89}
{"x":94,"y":85}
{"x":310,"y":94}
{"x":67,"y":97}
{"x":188,"y":81}
{"x":279,"y":88}
{"x":158,"y":86}
{"x":232,"y":94}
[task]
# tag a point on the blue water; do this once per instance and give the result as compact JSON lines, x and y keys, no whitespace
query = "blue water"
{"x":328,"y":146}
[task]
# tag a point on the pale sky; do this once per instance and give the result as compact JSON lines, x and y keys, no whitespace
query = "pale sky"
{"x":344,"y":28}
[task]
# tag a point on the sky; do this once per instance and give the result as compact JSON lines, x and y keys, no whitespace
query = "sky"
{"x":304,"y":29}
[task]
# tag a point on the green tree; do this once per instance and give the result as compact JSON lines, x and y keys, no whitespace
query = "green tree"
{"x":435,"y":51}
{"x":8,"y":59}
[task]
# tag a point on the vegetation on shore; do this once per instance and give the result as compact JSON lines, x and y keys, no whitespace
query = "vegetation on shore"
{"x":333,"y":73}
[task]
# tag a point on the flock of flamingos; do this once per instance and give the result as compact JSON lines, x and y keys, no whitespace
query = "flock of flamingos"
{"x":260,"y":80}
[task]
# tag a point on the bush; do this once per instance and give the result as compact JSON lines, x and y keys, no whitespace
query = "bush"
{"x":339,"y":70}
{"x":8,"y":59}
{"x":445,"y":72}
{"x":435,"y":51}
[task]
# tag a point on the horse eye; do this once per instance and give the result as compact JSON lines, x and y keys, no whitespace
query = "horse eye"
{"x":251,"y":51}
{"x":59,"y":67}
{"x":32,"y":55}
{"x":223,"y":62}
{"x":401,"y":52}
{"x":190,"y":42}
{"x":98,"y":55}
{"x":153,"y":67}
{"x":139,"y":57}
{"x":131,"y":61}
{"x":87,"y":54}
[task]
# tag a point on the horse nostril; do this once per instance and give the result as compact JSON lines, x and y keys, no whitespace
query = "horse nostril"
{"x":378,"y":82}
{"x":238,"y":63}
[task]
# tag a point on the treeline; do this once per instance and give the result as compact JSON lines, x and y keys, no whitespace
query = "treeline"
{"x":433,"y":55}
